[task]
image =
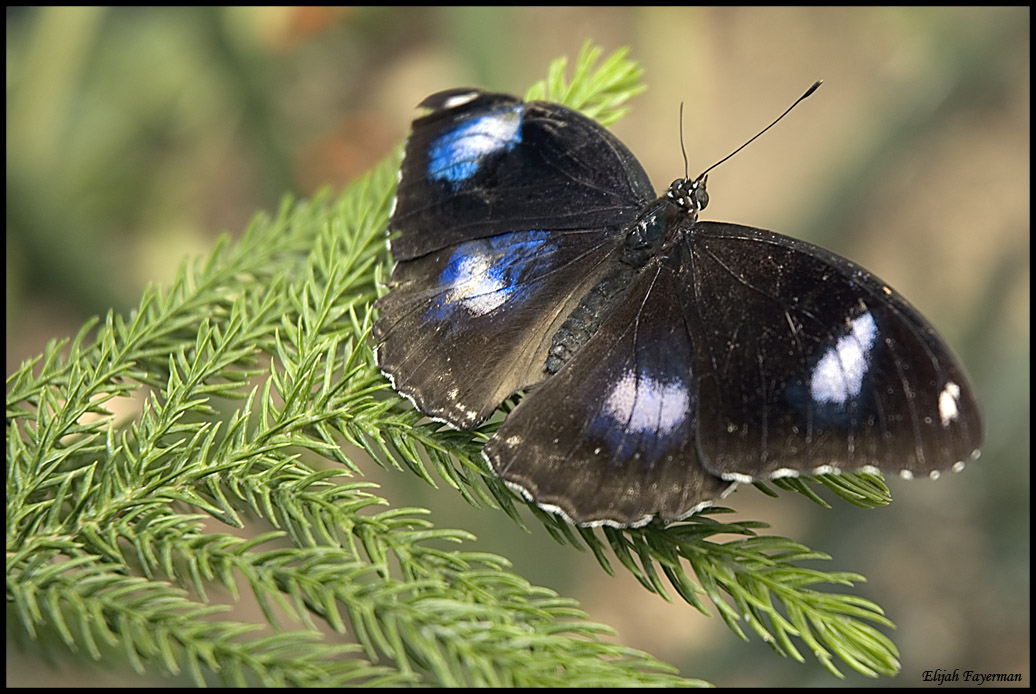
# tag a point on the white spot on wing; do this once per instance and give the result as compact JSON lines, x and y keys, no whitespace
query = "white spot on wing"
{"x":838,"y":376}
{"x":948,"y":399}
{"x":460,"y":99}
{"x":738,"y":477}
{"x":647,"y":406}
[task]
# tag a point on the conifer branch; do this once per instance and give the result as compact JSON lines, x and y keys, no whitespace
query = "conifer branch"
{"x":245,"y":376}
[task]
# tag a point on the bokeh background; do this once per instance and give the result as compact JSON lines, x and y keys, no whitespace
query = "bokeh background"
{"x":134,"y":136}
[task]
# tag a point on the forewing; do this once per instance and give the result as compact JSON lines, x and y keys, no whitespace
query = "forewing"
{"x":807,"y":362}
{"x":505,"y":213}
{"x":484,"y":164}
{"x":465,"y":327}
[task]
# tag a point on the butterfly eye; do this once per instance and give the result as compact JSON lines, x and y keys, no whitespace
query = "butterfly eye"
{"x":701,"y":197}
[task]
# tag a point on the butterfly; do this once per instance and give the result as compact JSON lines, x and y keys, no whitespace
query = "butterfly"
{"x":665,"y":359}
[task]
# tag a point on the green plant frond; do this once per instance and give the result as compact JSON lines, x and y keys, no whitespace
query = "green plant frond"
{"x":864,"y":490}
{"x":599,"y":92}
{"x":102,"y":553}
{"x":93,"y":606}
{"x":250,"y":374}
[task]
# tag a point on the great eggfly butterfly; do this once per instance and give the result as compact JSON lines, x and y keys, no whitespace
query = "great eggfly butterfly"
{"x":666,"y":358}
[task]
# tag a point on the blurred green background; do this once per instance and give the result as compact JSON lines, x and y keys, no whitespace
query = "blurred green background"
{"x":134,"y":136}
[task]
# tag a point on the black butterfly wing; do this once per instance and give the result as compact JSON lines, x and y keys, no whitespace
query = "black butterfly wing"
{"x":737,"y":355}
{"x":483,"y":164}
{"x":807,"y":362}
{"x":610,"y":437}
{"x":683,"y":356}
{"x":465,"y":327}
{"x":505,"y":213}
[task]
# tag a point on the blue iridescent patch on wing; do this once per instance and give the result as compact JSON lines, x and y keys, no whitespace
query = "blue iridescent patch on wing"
{"x":456,"y":155}
{"x":642,"y":416}
{"x":483,"y":275}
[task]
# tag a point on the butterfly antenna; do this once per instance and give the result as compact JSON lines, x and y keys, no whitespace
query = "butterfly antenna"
{"x":809,"y":92}
{"x":683,"y":149}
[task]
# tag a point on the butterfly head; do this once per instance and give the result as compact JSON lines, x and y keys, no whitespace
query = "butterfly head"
{"x":688,"y":195}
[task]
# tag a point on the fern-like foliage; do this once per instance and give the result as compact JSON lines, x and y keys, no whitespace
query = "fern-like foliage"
{"x":241,"y":378}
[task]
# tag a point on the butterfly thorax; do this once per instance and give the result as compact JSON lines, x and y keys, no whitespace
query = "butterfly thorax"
{"x":648,"y":237}
{"x":662,"y":222}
